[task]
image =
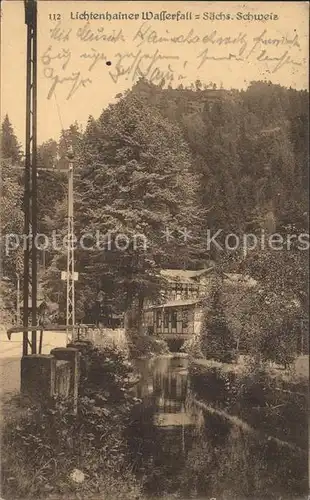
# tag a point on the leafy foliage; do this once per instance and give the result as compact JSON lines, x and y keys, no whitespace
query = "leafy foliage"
{"x":186,"y":158}
{"x":217,"y":339}
{"x":6,"y":316}
{"x":268,"y":399}
{"x":9,"y":146}
{"x":12,"y":225}
{"x":278,"y":304}
{"x":48,"y":443}
{"x":246,"y":146}
{"x":145,"y":345}
{"x":135,"y":183}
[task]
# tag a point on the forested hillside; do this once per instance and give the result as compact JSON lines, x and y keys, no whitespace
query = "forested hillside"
{"x":249,"y":149}
{"x":164,"y":163}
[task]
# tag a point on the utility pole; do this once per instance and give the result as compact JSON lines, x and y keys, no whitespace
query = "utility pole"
{"x":18,"y":299}
{"x":70,"y":276}
{"x":30,"y":197}
{"x":70,"y":250}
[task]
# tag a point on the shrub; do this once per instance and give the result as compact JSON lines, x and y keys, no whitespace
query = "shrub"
{"x":217,"y":340}
{"x":48,"y":443}
{"x":143,"y":345}
{"x":104,"y":369}
{"x":193,"y":347}
{"x":280,"y":346}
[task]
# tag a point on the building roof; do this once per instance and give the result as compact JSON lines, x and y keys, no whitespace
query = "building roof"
{"x":183,"y":275}
{"x":240,"y":278}
{"x":175,"y":303}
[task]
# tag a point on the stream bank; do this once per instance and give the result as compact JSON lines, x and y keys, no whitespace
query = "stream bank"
{"x":167,"y":436}
{"x":180,"y":446}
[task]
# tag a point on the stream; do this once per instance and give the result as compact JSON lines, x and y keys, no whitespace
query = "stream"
{"x":181,"y":450}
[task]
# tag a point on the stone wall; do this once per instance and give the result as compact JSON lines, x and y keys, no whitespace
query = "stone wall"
{"x":44,"y":377}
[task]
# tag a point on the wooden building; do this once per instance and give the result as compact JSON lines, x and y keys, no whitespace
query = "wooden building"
{"x":179,"y":312}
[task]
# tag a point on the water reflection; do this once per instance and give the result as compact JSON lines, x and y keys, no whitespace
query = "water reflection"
{"x":179,"y":448}
{"x":164,"y":385}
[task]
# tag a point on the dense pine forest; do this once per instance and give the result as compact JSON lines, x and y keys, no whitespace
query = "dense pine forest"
{"x":171,"y":166}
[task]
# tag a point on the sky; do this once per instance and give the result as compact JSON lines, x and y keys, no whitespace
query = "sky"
{"x":217,"y":43}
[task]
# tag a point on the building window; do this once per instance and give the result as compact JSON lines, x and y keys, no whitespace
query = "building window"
{"x":195,"y":291}
{"x":190,"y":290}
{"x":173,"y":319}
{"x":166,"y":319}
{"x":158,"y":319}
{"x":178,"y":290}
{"x":185,"y":319}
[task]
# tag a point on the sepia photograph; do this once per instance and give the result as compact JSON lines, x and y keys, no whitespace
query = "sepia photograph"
{"x":154,"y":224}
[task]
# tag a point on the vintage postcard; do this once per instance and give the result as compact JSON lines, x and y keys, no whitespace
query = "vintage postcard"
{"x":154,"y":250}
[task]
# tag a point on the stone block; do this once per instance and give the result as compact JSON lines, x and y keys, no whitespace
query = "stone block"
{"x":72,"y":356}
{"x":38,"y":372}
{"x":63,"y":379}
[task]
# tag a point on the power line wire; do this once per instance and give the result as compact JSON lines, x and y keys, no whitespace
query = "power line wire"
{"x":60,"y":121}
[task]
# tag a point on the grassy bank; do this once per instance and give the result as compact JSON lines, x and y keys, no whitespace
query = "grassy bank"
{"x":230,"y":463}
{"x":270,"y":400}
{"x":145,"y":345}
{"x":48,"y":453}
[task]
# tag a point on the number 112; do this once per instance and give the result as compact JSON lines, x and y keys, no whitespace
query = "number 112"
{"x":54,"y":17}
